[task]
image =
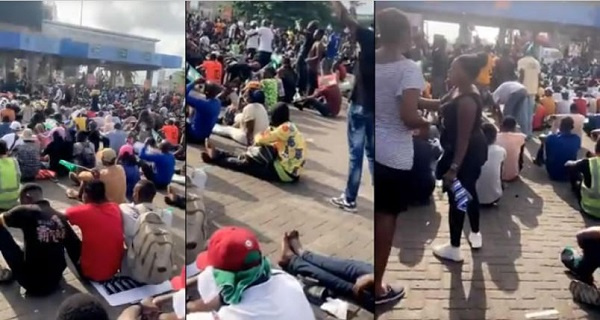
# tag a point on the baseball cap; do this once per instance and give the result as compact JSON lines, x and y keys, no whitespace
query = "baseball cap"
{"x":231,"y":249}
{"x":108,"y":155}
{"x":126,"y":149}
{"x":15,"y":126}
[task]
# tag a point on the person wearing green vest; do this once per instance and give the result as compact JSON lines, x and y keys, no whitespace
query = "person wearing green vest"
{"x":10,"y":184}
{"x":585,"y":181}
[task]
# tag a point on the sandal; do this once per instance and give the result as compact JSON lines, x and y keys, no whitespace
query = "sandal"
{"x":392,"y":294}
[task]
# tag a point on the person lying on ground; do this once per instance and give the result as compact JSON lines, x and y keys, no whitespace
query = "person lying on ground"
{"x":243,"y":284}
{"x":251,"y":119}
{"x":278,"y":154}
{"x":205,"y":110}
{"x":111,"y":174}
{"x":158,"y":167}
{"x":99,"y":254}
{"x":558,"y":148}
{"x":46,"y":233}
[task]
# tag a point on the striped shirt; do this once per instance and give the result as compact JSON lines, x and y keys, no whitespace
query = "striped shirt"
{"x":393,"y":140}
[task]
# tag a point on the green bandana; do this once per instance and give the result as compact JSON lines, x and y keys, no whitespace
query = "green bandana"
{"x":233,"y":284}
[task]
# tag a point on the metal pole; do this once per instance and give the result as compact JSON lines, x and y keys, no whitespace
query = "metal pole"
{"x":81,"y":13}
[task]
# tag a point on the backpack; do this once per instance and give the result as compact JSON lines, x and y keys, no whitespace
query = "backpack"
{"x":88,"y":157}
{"x":150,"y":258}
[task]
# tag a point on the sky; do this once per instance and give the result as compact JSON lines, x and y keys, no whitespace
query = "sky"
{"x":162,"y":20}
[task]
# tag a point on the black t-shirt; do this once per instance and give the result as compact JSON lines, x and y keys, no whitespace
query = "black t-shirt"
{"x":364,"y":85}
{"x":44,"y":231}
{"x":439,"y":67}
{"x":240,"y":70}
{"x":309,"y":40}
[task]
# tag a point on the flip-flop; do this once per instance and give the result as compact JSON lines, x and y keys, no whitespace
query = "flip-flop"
{"x":392,"y":294}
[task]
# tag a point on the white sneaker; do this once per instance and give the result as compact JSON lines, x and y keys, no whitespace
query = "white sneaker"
{"x":475,"y":240}
{"x":448,"y":252}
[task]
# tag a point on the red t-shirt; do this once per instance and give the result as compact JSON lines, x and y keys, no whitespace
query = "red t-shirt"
{"x":102,"y":238}
{"x":213,"y":70}
{"x":333,"y":95}
{"x":538,"y":117}
{"x":581,"y":106}
{"x":171,"y":134}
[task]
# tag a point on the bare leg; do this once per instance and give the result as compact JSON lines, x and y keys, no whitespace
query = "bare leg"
{"x":385,"y":226}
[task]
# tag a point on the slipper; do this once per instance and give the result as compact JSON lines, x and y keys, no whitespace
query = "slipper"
{"x":5,"y":275}
{"x":72,"y":194}
{"x":392,"y":294}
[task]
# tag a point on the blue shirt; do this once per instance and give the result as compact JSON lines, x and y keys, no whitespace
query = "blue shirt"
{"x":5,"y":129}
{"x":164,"y":166}
{"x":132,"y":176}
{"x":117,"y":139}
{"x":332,"y":46}
{"x":560,"y":148}
{"x":206,"y":114}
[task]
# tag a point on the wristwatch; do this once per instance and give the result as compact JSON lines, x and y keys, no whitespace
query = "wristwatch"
{"x":454,"y":167}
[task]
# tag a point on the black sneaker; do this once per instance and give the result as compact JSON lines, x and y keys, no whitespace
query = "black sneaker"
{"x":393,"y":294}
{"x":343,"y":204}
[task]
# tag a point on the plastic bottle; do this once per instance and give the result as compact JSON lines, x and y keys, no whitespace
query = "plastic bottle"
{"x":461,"y":195}
{"x":168,"y":216}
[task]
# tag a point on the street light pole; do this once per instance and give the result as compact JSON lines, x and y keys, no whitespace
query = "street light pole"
{"x":81,"y":13}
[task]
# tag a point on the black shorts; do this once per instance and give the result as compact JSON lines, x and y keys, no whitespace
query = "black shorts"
{"x":392,"y":189}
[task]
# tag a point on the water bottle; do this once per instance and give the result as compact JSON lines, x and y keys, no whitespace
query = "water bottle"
{"x":168,"y":216}
{"x":461,"y":195}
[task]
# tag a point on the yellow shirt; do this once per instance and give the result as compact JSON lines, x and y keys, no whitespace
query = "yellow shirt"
{"x":549,"y":104}
{"x":485,"y":75}
{"x":80,"y":122}
{"x":291,"y":149}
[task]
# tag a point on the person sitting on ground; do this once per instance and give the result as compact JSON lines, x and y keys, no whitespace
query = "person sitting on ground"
{"x":111,"y":173}
{"x":514,"y":143}
{"x":327,"y":101}
{"x":5,"y":126}
{"x":426,"y":154}
{"x":58,"y":149}
{"x":12,"y":139}
{"x":213,"y":69}
{"x":581,"y":104}
{"x":253,"y":290}
{"x":99,"y":255}
{"x":117,"y":137}
{"x":583,"y":174}
{"x":539,"y":115}
{"x":270,"y":87}
{"x":343,"y":278}
{"x":581,"y":266}
{"x":206,"y":111}
{"x":159,"y":167}
{"x":28,"y":155}
{"x":289,"y":78}
{"x":171,"y":132}
{"x":558,"y":148}
{"x":84,"y":306}
{"x":278,"y":154}
{"x":11,"y":179}
{"x":84,"y":152}
{"x":252,"y":120}
{"x":46,"y":233}
{"x":130,"y":165}
{"x":578,"y":120}
{"x":563,"y":106}
{"x":548,"y":102}
{"x":43,"y":136}
{"x":489,"y":184}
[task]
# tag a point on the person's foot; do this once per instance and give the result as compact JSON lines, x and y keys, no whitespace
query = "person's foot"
{"x":448,"y":252}
{"x":73,"y":177}
{"x":343,"y":204}
{"x":294,"y":242}
{"x":571,"y":259}
{"x":585,"y":293}
{"x":475,"y":240}
{"x":6,"y":275}
{"x":205,"y":157}
{"x":286,"y":251}
{"x":392,"y":293}
{"x":73,"y":194}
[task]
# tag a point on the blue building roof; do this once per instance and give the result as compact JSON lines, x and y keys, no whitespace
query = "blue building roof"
{"x":81,"y":50}
{"x":576,"y":13}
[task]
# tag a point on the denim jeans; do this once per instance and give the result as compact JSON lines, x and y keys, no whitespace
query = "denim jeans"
{"x":361,"y":138}
{"x":336,"y":275}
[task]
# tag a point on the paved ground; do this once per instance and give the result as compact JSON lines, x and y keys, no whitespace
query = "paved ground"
{"x":515,"y":273}
{"x":13,"y":303}
{"x":270,"y":209}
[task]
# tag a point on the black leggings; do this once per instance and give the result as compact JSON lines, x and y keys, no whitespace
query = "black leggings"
{"x":467,"y":176}
{"x":313,"y":81}
{"x":245,"y":165}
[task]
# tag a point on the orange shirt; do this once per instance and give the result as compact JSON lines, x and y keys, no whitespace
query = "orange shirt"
{"x":7,"y":112}
{"x":538,"y":117}
{"x":213,"y":70}
{"x":171,"y":134}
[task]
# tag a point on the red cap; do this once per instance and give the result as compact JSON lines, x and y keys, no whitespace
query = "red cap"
{"x":228,"y":249}
{"x":179,"y":281}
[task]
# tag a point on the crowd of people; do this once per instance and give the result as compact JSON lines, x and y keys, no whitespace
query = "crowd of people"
{"x":466,"y":121}
{"x":118,"y":146}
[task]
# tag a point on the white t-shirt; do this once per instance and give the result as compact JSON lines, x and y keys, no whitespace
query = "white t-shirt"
{"x":532,"y":70}
{"x":10,"y":139}
{"x":503,"y":92}
{"x":258,"y":113}
{"x":281,"y":297}
{"x":265,"y":41}
{"x":563,"y":107}
{"x":394,"y":139}
{"x":252,"y":41}
{"x":489,"y":185}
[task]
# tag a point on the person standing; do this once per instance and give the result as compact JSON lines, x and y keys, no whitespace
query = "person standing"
{"x":301,"y":66}
{"x":529,"y":75}
{"x":439,"y":69}
{"x":265,"y":43}
{"x":361,"y":117}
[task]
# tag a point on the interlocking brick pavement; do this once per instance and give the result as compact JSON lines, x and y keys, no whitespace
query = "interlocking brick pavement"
{"x":517,"y":271}
{"x":13,"y":303}
{"x":270,"y":208}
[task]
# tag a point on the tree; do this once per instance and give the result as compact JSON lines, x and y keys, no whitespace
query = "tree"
{"x":285,"y":13}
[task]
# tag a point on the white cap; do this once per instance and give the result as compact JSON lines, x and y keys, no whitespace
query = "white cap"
{"x":15,"y":126}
